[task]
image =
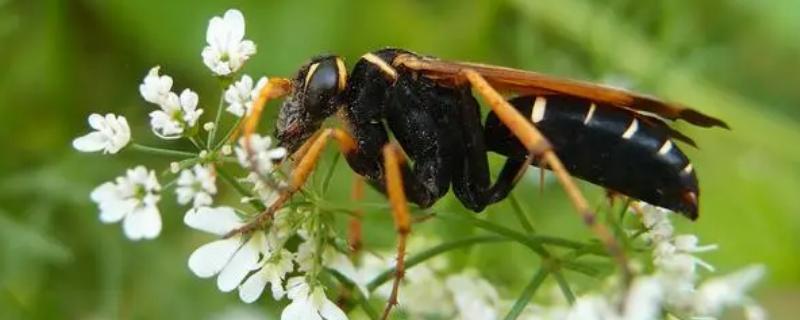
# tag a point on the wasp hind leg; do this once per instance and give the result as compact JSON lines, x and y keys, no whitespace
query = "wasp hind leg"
{"x":393,"y":161}
{"x":538,"y":146}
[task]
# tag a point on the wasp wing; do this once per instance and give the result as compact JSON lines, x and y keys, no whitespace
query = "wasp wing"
{"x":533,"y":83}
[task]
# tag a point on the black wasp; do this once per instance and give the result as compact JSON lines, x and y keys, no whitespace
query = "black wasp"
{"x":610,"y":137}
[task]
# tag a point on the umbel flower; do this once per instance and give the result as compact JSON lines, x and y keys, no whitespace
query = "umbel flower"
{"x":132,"y":197}
{"x":111,"y":134}
{"x":263,"y":154}
{"x":227,"y":50}
{"x":155,"y":88}
{"x":242,"y":93}
{"x":197,"y":186}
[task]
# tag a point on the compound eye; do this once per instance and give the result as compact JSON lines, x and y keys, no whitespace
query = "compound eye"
{"x":323,"y":82}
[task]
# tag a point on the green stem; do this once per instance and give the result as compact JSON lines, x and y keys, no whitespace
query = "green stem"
{"x":211,"y":134}
{"x":359,"y":297}
{"x":162,"y":152}
{"x":527,"y":294}
{"x":327,"y":180}
{"x":521,"y":216}
{"x":197,"y":144}
{"x":501,"y":230}
{"x":239,"y":188}
{"x":228,"y":134}
{"x":430,"y":253}
{"x":564,"y":285}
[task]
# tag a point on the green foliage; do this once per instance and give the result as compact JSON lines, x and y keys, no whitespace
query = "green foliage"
{"x":65,"y":59}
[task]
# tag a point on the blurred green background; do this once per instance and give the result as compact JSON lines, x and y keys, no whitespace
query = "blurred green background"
{"x":61,"y":60}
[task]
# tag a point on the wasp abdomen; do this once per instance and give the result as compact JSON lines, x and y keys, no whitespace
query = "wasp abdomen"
{"x":613,"y":147}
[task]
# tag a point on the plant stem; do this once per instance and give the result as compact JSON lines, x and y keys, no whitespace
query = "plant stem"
{"x":228,"y":134}
{"x":239,"y":188}
{"x":564,"y":285}
{"x":359,"y":297}
{"x":501,"y":230}
{"x":197,"y":144}
{"x":162,"y":152}
{"x":430,"y":253}
{"x":527,"y":294}
{"x":523,"y":220}
{"x":213,"y":132}
{"x":327,"y":180}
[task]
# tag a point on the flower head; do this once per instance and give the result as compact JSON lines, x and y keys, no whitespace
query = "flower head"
{"x":729,"y":290}
{"x":232,"y":258}
{"x":176,"y":115}
{"x":155,"y":88}
{"x":132,"y":197}
{"x":309,"y":303}
{"x":263,"y":153}
{"x":227,"y":50}
{"x":111,"y":134}
{"x":196,"y":185}
{"x":242,"y":93}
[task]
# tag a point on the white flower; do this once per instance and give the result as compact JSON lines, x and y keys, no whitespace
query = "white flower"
{"x":112,"y":134}
{"x":308,"y":304}
{"x":591,"y":307}
{"x":657,"y":221}
{"x":197,"y":185}
{"x":263,"y":154}
{"x":240,"y":95}
{"x":134,"y":198}
{"x":176,"y":115}
{"x":155,"y":88}
{"x":232,"y":258}
{"x":265,"y":192}
{"x":272,"y":271}
{"x":729,"y":290}
{"x":644,"y":299}
{"x":227,"y":50}
{"x":474,"y":297}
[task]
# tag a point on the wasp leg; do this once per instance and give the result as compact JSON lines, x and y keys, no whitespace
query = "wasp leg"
{"x":354,"y":226}
{"x":275,"y":88}
{"x":471,"y":181}
{"x":537,"y":145}
{"x":393,"y":158}
{"x":305,"y":166}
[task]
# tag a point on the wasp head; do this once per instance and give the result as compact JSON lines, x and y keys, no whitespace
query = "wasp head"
{"x":317,"y":93}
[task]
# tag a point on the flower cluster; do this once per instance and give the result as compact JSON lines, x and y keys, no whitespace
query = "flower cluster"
{"x":262,"y":258}
{"x":274,"y":243}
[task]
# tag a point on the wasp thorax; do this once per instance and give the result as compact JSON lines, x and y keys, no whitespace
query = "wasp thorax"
{"x":318,"y":88}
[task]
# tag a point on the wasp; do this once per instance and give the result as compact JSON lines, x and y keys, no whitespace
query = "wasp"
{"x":610,"y":137}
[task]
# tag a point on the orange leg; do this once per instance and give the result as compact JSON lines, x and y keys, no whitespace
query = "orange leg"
{"x":393,"y":157}
{"x":354,"y":226}
{"x":305,"y":166}
{"x":538,"y":145}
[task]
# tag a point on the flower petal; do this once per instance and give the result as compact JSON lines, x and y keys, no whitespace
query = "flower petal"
{"x":241,"y":263}
{"x":330,"y":311}
{"x":211,"y":257}
{"x":143,"y":223}
{"x":92,"y":142}
{"x":253,"y":287}
{"x":234,"y":21}
{"x":219,"y":220}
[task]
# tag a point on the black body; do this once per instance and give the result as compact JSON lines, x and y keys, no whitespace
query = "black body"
{"x":439,"y":127}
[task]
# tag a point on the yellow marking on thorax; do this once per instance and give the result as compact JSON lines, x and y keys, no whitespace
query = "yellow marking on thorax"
{"x":385,"y":67}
